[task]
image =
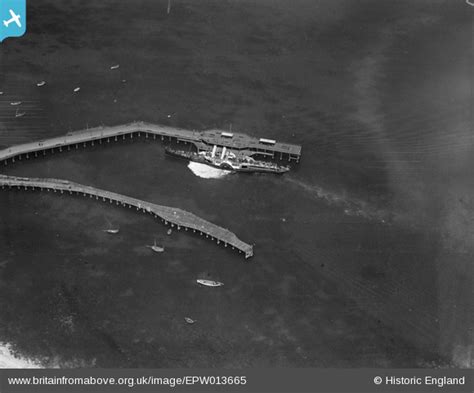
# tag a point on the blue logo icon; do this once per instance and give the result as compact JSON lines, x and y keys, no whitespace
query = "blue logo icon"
{"x":12,"y":18}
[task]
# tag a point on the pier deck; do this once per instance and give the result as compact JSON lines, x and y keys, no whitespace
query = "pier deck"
{"x":174,"y":217}
{"x":205,"y":140}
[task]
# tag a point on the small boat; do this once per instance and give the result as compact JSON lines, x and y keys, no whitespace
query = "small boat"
{"x":1,"y":93}
{"x":76,"y":89}
{"x":124,"y":80}
{"x":42,"y":83}
{"x":114,"y":67}
{"x":19,"y":114}
{"x":15,"y":103}
{"x":210,"y":283}
{"x":156,"y":248}
{"x":190,"y":320}
{"x":112,"y":231}
{"x":169,"y":231}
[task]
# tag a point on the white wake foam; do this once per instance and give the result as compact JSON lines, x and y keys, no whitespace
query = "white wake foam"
{"x":9,"y":360}
{"x":206,"y":171}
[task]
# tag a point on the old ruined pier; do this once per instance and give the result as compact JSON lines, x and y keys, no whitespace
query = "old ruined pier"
{"x":178,"y":218}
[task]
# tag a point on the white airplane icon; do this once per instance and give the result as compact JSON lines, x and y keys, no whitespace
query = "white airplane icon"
{"x":15,"y":18}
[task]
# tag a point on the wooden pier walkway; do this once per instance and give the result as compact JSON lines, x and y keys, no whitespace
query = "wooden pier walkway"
{"x":204,"y":140}
{"x":178,"y":218}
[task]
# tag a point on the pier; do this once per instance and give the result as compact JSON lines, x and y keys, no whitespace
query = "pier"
{"x":174,"y":217}
{"x":239,"y":144}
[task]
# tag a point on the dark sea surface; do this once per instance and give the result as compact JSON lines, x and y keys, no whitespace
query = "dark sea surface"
{"x":363,"y":252}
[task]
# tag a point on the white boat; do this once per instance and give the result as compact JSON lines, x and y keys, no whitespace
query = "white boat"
{"x":156,"y":248}
{"x":1,"y":93}
{"x":42,"y":83}
{"x":169,"y":231}
{"x":112,"y":231}
{"x":19,"y":114}
{"x":189,"y":320}
{"x":114,"y":67}
{"x":15,"y":103}
{"x":210,"y":283}
{"x":76,"y":89}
